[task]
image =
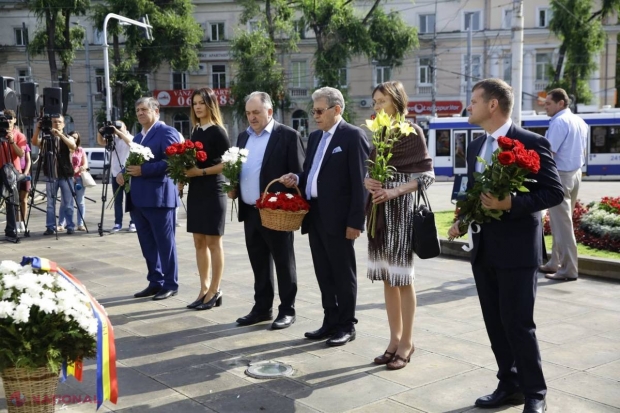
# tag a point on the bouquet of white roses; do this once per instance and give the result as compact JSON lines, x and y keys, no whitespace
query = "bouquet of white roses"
{"x":138,"y":155}
{"x":233,"y":159}
{"x":44,"y":320}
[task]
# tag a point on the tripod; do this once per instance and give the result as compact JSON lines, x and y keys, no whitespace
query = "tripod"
{"x":110,"y":149}
{"x":54,"y":174}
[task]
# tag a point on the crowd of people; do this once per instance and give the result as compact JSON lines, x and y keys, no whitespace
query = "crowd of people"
{"x":331,"y":173}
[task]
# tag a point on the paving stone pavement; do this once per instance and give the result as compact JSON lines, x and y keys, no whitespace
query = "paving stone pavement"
{"x":171,"y":359}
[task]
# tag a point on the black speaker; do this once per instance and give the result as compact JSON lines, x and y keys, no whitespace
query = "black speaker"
{"x":8,"y":98}
{"x":29,"y":95}
{"x":52,"y":101}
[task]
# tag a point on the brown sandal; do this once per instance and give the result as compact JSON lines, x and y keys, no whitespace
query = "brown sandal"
{"x":398,"y":362}
{"x":385,"y":358}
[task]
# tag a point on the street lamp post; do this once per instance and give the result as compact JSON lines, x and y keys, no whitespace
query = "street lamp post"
{"x":106,"y":60}
{"x":89,"y":91}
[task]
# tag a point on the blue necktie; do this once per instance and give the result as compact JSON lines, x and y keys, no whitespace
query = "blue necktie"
{"x":488,"y":154}
{"x":318,"y":156}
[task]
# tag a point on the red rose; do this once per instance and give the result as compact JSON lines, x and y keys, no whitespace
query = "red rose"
{"x":505,"y":143}
{"x":518,"y":144}
{"x":180,"y":149}
{"x":201,"y":156}
{"x":534,"y":166}
{"x":198,"y":145}
{"x":178,"y":145}
{"x":189,"y":144}
{"x":171,"y":150}
{"x":506,"y":157}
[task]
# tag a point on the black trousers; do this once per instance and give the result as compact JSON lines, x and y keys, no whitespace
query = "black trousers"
{"x":335,"y":269}
{"x":10,"y":208}
{"x":267,"y":247}
{"x":507,"y":299}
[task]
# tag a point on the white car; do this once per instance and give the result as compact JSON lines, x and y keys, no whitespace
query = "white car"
{"x":96,"y":158}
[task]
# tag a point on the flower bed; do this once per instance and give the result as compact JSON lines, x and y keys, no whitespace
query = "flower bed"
{"x":596,"y":225}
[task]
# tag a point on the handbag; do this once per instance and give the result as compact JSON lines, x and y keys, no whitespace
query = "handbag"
{"x":87,"y":180}
{"x":425,"y":240}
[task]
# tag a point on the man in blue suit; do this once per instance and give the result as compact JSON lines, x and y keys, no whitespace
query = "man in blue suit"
{"x":153,"y":201}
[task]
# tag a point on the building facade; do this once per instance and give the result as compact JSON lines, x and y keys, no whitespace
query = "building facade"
{"x":444,"y":23}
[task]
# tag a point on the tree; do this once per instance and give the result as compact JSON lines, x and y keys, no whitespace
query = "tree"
{"x":176,"y":40}
{"x":581,"y":31}
{"x":341,"y":34}
{"x":255,"y":53}
{"x":58,"y":37}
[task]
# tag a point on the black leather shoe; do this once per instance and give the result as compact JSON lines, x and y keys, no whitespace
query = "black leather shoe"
{"x":341,"y":338}
{"x":147,"y":292}
{"x":215,"y":301}
{"x":283,"y":321}
{"x":535,"y":406}
{"x":500,"y":398}
{"x":165,"y":293}
{"x":254,"y":318}
{"x":321,"y":333}
{"x":197,"y":302}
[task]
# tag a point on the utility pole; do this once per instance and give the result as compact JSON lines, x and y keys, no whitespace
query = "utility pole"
{"x":27,"y":42}
{"x":89,"y":94}
{"x":433,"y":67}
{"x":517,"y":59}
{"x":468,"y":63}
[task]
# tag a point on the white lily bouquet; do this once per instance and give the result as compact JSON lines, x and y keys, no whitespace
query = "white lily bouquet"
{"x":233,"y":159}
{"x":44,"y":321}
{"x":138,"y":155}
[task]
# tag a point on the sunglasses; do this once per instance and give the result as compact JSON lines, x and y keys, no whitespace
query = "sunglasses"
{"x":320,"y":111}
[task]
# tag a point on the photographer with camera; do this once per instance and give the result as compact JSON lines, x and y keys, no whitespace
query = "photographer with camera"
{"x":12,"y":146}
{"x":56,"y":148}
{"x":122,"y":139}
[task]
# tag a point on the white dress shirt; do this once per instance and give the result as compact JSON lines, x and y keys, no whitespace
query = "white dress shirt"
{"x":502,"y":131}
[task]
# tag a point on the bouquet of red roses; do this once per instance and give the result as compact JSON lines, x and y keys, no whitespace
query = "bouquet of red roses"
{"x":183,"y":156}
{"x":511,"y":163}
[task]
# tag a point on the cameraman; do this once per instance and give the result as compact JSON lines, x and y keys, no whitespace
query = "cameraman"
{"x":122,"y":139}
{"x":57,"y":170}
{"x":11,"y":150}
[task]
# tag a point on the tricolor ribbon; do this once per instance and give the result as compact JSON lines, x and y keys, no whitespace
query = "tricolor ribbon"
{"x":107,"y":384}
{"x":470,"y":239}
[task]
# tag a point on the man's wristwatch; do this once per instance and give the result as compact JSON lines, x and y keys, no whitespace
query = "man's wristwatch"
{"x":204,"y":172}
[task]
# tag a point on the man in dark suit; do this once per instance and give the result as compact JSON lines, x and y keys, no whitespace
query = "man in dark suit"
{"x":273,"y":149}
{"x":332,"y":180}
{"x":153,"y":198}
{"x":507,"y":252}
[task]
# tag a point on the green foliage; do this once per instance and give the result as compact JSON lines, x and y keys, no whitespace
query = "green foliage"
{"x":581,"y":31}
{"x":257,"y":69}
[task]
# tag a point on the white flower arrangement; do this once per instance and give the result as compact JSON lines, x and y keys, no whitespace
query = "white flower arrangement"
{"x":142,"y":151}
{"x":44,"y":320}
{"x":233,"y":160}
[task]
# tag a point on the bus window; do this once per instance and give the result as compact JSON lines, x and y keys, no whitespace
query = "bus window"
{"x":460,"y":140}
{"x":605,"y":139}
{"x":443,"y":142}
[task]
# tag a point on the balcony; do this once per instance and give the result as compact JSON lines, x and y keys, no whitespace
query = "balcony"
{"x":298,"y":92}
{"x":424,"y":90}
{"x":540,"y":85}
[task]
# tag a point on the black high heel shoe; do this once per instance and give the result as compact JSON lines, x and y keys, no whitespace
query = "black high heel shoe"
{"x":215,"y":301}
{"x":197,"y":302}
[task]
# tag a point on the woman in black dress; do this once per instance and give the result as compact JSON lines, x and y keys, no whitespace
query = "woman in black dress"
{"x":206,"y":202}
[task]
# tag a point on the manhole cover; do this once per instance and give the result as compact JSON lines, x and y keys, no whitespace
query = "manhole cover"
{"x":269,"y":370}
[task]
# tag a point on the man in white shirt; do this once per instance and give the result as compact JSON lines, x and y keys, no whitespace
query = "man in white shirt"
{"x":568,"y":136}
{"x":122,"y":139}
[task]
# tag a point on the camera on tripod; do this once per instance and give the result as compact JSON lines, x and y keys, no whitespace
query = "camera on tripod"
{"x":52,"y":108}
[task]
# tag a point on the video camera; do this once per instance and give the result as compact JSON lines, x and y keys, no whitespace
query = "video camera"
{"x":107,"y":129}
{"x":52,"y":108}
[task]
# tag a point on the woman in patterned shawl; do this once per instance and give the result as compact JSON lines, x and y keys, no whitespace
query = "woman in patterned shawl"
{"x":390,"y":251}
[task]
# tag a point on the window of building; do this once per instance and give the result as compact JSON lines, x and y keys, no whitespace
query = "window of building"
{"x":217,"y":32}
{"x":298,"y":74}
{"x":180,"y":122}
{"x":424,"y":71}
{"x":218,"y":76}
{"x":97,"y":36}
{"x":179,"y":80}
{"x":99,"y":80}
{"x":21,"y":36}
{"x":383,"y":73}
{"x":427,"y":23}
{"x":543,"y":17}
{"x":507,"y":68}
{"x":543,"y":64}
{"x":475,"y":17}
{"x":300,"y":28}
{"x":476,"y":67}
{"x":343,"y":78}
{"x":22,"y":76}
{"x":253,"y":25}
{"x":507,"y":19}
{"x":300,"y":122}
